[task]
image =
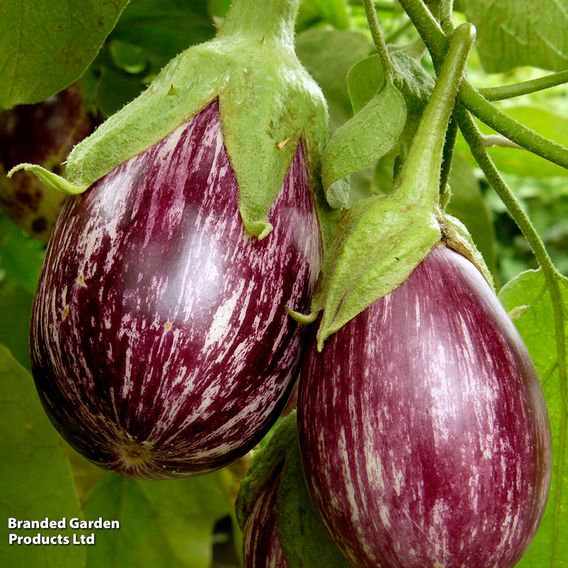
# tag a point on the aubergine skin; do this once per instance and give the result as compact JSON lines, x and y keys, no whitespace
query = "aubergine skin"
{"x":161,"y":345}
{"x":423,"y":428}
{"x":261,"y":546}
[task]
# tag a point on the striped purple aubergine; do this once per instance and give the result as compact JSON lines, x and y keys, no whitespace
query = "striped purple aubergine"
{"x":161,"y":345}
{"x":424,"y":433}
{"x":261,"y":545}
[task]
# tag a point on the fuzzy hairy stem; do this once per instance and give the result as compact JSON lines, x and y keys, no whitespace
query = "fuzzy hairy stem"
{"x":379,"y":40}
{"x":526,"y":87}
{"x":437,"y":44}
{"x":269,"y":19}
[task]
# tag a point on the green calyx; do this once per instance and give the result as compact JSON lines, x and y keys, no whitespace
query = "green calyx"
{"x":456,"y":236}
{"x":265,"y":468}
{"x":302,"y":535}
{"x":381,"y":240}
{"x":268,"y":104}
{"x":379,"y":243}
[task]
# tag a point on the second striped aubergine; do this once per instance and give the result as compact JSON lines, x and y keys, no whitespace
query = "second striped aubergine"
{"x":423,"y":427}
{"x":424,"y":432}
{"x":161,"y":345}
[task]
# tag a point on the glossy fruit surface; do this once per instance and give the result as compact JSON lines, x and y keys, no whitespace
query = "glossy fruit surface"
{"x":424,"y":432}
{"x":161,"y":345}
{"x":43,"y":133}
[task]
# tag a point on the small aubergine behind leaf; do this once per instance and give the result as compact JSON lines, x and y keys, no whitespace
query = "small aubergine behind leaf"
{"x":280,"y":527}
{"x":161,"y":343}
{"x":261,"y":545}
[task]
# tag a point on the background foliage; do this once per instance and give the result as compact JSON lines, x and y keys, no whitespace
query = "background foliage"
{"x":45,"y":46}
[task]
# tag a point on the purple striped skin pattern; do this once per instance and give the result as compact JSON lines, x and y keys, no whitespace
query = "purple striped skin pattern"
{"x":423,"y":428}
{"x":261,"y":547}
{"x":161,"y":345}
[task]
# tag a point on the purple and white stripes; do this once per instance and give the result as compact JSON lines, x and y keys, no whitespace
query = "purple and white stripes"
{"x":261,"y":546}
{"x":161,"y":345}
{"x":424,"y":433}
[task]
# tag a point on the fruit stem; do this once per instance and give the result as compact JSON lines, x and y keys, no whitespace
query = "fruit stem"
{"x":448,"y":154}
{"x":419,"y":179}
{"x":262,"y":20}
{"x":379,"y":40}
{"x":446,"y":11}
{"x":437,"y":44}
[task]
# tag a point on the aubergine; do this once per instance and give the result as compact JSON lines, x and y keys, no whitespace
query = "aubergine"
{"x":43,"y":133}
{"x":161,"y":345}
{"x":424,"y":432}
{"x":261,"y":545}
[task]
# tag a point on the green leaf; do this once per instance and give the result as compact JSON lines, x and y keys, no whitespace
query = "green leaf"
{"x":359,"y":143}
{"x":366,"y":77}
{"x":108,"y":90}
{"x":528,"y":302}
{"x":128,"y":57}
{"x":512,"y":33}
{"x":219,"y":8}
{"x":334,"y":12}
{"x":468,"y":205}
{"x":20,"y":256}
{"x":35,"y":478}
{"x":45,"y":46}
{"x":364,"y":80}
{"x":162,"y":523}
{"x":328,"y":55}
{"x":413,"y":81}
{"x":303,"y":537}
{"x":15,"y":307}
{"x":163,"y":28}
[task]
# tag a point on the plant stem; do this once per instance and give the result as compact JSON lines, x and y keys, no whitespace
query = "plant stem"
{"x":446,"y":11}
{"x":526,"y":87}
{"x":378,"y":38}
{"x":552,"y":278}
{"x":512,"y":129}
{"x":420,"y":174}
{"x":449,"y":146}
{"x":437,"y":44}
{"x":266,"y":20}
